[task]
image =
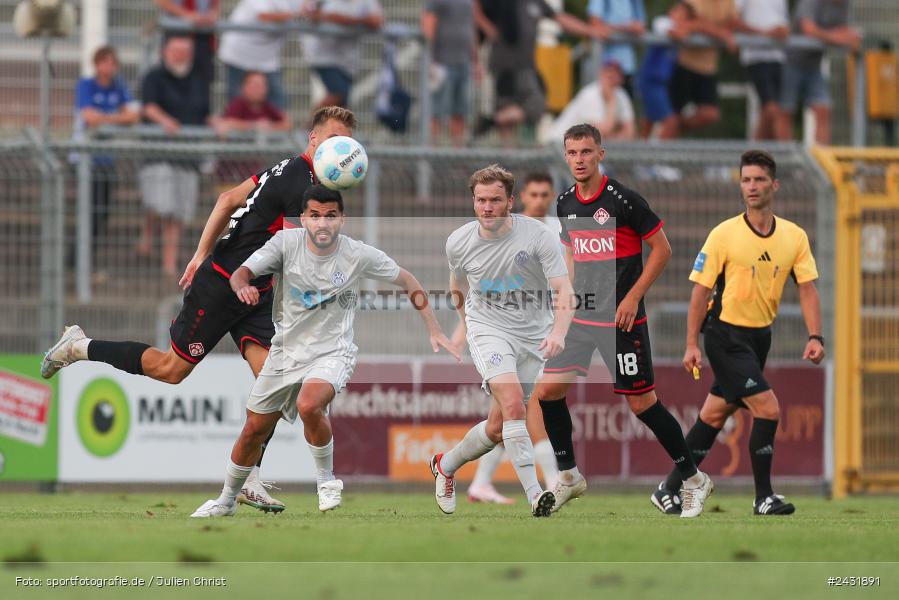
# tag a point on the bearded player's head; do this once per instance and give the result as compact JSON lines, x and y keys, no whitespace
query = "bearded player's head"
{"x":322,"y":216}
{"x":491,"y":191}
{"x":328,"y":122}
{"x":583,"y":152}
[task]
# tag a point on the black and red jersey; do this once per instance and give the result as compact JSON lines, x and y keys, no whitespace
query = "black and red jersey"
{"x":278,"y":194}
{"x":610,"y":226}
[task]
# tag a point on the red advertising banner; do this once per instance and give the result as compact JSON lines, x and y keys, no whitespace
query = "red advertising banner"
{"x":390,"y":428}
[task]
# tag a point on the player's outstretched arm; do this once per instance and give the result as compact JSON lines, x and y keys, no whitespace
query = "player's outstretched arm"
{"x":419,"y":299}
{"x":659,"y":254}
{"x":240,"y":283}
{"x":225,"y":205}
{"x":810,"y":304}
{"x":563,"y":313}
{"x":699,"y":304}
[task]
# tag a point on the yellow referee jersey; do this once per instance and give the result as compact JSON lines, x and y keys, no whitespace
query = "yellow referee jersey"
{"x":749,"y":269}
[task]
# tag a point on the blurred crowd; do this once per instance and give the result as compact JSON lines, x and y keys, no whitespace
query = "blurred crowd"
{"x":658,"y":91}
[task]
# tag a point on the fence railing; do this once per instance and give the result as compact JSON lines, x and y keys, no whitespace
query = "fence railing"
{"x":101,"y":275}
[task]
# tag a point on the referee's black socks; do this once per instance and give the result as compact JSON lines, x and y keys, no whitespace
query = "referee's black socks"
{"x":557,"y":421}
{"x":124,"y":356}
{"x":699,"y":440}
{"x":761,"y":454}
{"x":668,"y":432}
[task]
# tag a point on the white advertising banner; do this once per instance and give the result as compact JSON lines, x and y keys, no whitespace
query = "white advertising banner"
{"x":118,"y":427}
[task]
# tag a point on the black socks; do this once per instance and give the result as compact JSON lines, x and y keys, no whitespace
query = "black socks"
{"x":124,"y":356}
{"x":668,"y":432}
{"x":761,"y":454}
{"x":557,"y":421}
{"x":699,"y":440}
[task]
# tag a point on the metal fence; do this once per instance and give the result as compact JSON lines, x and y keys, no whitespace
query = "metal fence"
{"x":106,"y":285}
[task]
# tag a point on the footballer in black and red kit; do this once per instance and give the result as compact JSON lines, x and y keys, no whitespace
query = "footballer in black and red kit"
{"x":210,"y":308}
{"x":604,"y":225}
{"x":605,"y":234}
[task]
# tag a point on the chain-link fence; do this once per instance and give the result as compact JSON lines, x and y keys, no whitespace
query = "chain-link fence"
{"x":120,"y":266}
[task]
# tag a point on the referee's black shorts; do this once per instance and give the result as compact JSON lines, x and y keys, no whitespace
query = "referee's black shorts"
{"x":737,"y":355}
{"x":211,"y":310}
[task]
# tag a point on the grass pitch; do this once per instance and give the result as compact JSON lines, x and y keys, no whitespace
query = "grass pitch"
{"x":399,"y":545}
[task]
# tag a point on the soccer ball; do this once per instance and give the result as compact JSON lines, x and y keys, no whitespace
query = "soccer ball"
{"x":340,"y":163}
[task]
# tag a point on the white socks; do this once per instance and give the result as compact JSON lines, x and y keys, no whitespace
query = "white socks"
{"x":474,"y":445}
{"x":324,"y":461}
{"x":79,"y":349}
{"x":521,"y":454}
{"x":235,"y":476}
{"x":488,"y":465}
{"x":569,"y":476}
{"x":546,"y":458}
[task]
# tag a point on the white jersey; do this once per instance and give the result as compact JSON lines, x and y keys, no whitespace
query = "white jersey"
{"x":507,"y":277}
{"x":316,"y":296}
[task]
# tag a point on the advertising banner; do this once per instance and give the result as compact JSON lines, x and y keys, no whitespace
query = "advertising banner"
{"x":28,"y":415}
{"x":118,"y":427}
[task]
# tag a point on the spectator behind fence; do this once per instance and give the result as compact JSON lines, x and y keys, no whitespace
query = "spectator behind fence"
{"x":449,"y":27}
{"x":172,"y":97}
{"x":103,"y":99}
{"x":828,"y":21}
{"x":603,"y":104}
{"x":619,"y":16}
{"x":200,"y":14}
{"x":695,"y":77}
{"x":511,"y":25}
{"x":765,"y":65}
{"x":252,"y":109}
{"x":336,"y":57}
{"x":245,"y":51}
{"x":654,"y":77}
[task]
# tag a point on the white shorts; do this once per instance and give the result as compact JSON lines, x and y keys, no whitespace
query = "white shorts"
{"x":278,"y":391}
{"x":495,"y":354}
{"x":170,"y":190}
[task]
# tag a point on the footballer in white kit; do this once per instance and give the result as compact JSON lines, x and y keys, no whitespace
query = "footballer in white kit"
{"x":312,"y":355}
{"x":517,"y":310}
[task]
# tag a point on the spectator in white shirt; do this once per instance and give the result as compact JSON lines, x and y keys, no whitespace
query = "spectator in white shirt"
{"x":603,"y":103}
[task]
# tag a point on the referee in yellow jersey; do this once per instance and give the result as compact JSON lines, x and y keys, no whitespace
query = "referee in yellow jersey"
{"x":746,"y":261}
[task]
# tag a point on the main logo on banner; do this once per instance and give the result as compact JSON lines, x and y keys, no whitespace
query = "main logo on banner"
{"x":103,"y":417}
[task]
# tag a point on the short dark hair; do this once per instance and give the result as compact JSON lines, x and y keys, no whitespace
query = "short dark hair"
{"x":759,"y":158}
{"x":537,"y":177}
{"x":104,"y":52}
{"x":579,"y":132}
{"x":322,"y":194}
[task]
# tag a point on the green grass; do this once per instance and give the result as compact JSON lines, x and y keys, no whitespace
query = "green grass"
{"x":601,"y":542}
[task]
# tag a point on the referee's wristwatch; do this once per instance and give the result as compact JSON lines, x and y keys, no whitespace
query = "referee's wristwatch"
{"x":817,"y":337}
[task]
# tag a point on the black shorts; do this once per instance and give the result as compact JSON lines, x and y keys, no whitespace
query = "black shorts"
{"x":689,"y":86}
{"x":766,"y":77}
{"x":737,"y":355}
{"x":627,"y":355}
{"x":211,"y":309}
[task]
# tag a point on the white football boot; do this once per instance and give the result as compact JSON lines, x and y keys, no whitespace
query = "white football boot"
{"x":255,"y":493}
{"x":445,"y":487}
{"x":542,"y":506}
{"x":60,"y":354}
{"x":329,"y":494}
{"x":212,"y":509}
{"x":693,"y":498}
{"x":487,"y":493}
{"x":566,"y":491}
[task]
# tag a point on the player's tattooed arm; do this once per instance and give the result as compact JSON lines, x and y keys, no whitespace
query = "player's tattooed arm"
{"x":240,"y":283}
{"x":419,"y":299}
{"x":227,"y":202}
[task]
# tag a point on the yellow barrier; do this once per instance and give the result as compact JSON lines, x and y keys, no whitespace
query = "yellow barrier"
{"x":866,"y":313}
